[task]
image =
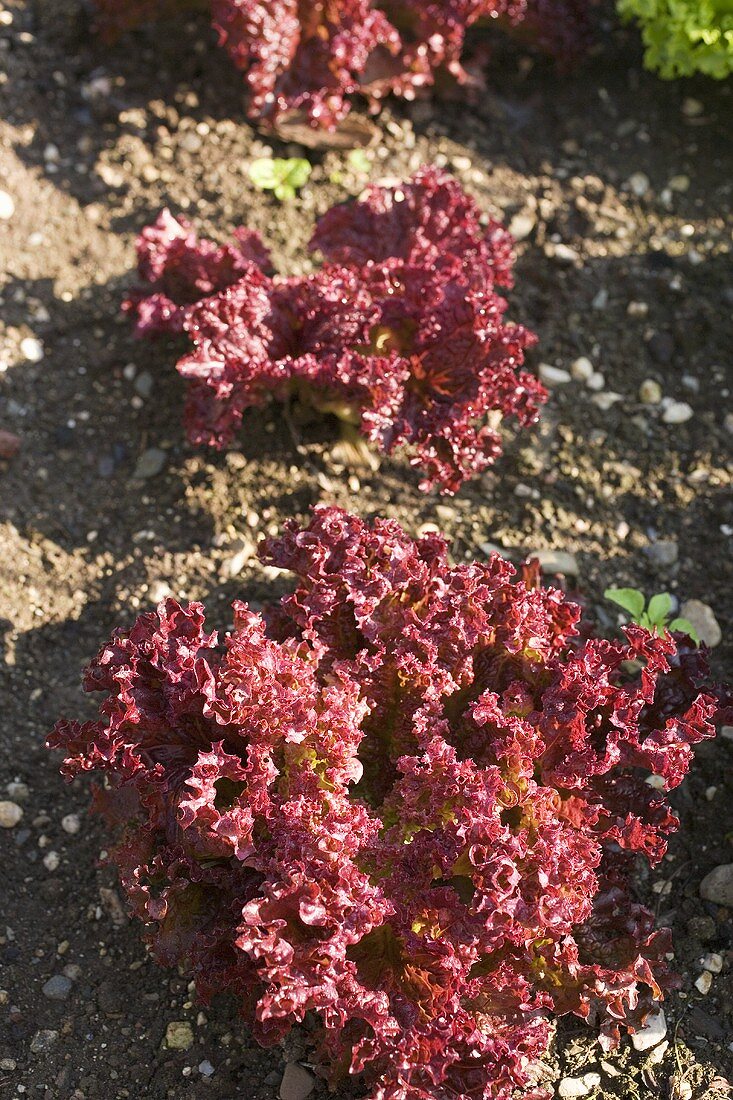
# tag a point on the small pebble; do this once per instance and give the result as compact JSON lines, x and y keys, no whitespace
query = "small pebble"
{"x":57,"y":988}
{"x":563,"y":253}
{"x":7,"y":206}
{"x":638,"y":184}
{"x":703,"y":619}
{"x":557,"y":561}
{"x":596,"y":382}
{"x":692,"y":108}
{"x":179,"y":1035}
{"x":31,"y":349}
{"x":663,"y":553}
{"x":606,"y":401}
{"x":600,"y":300}
{"x":713,"y":962}
{"x":42,"y":1041}
{"x":571,"y":1087}
{"x":297,"y":1082}
{"x":652,"y":1033}
{"x":51,"y":861}
{"x":553,"y":376}
{"x":71,"y":824}
{"x":704,"y":983}
{"x":717,"y":886}
{"x":10,"y":815}
{"x":18,"y":791}
{"x":206,"y":1069}
{"x":150,"y":463}
{"x":637,"y":309}
{"x":582,"y":369}
{"x":678,"y":412}
{"x":679,"y":183}
{"x":728,"y":422}
{"x":650,"y":392}
{"x":521,"y":226}
{"x":144,"y":384}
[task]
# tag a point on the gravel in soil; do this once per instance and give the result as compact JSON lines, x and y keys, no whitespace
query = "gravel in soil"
{"x":619,"y":188}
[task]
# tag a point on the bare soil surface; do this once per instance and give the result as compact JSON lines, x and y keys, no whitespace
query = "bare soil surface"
{"x":620,"y":187}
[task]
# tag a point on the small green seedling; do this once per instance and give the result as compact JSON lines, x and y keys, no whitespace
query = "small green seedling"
{"x":281,"y":176}
{"x":655,"y":615}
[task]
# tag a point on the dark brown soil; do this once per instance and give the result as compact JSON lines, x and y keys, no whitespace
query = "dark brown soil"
{"x":92,"y":144}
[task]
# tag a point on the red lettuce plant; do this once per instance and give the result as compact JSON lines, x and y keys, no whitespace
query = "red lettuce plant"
{"x":309,"y":58}
{"x":401,"y":332}
{"x":406,"y":801}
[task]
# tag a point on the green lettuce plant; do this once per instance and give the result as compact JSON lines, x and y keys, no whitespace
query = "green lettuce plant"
{"x":683,"y":37}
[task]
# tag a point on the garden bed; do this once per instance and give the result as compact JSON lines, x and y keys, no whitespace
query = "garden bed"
{"x":620,"y":188}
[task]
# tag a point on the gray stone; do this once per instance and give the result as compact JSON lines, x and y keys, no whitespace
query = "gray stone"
{"x":150,"y":463}
{"x":652,"y":1033}
{"x":663,"y":553}
{"x":557,"y":561}
{"x":43,"y":1041}
{"x":144,"y":384}
{"x":57,"y":988}
{"x":717,"y":886}
{"x":18,"y":791}
{"x":206,"y":1069}
{"x":703,"y":619}
{"x":297,"y":1082}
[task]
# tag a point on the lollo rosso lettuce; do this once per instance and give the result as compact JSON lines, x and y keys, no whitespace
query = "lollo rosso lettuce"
{"x":307,"y":58}
{"x":684,"y":37}
{"x":406,"y":802}
{"x":401,"y":333}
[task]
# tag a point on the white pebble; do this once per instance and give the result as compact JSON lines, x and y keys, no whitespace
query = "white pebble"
{"x":71,"y":824}
{"x":582,"y":369}
{"x":704,"y":983}
{"x":596,"y":382}
{"x":10,"y":815}
{"x":604,"y":401}
{"x":31,"y":349}
{"x":51,"y":861}
{"x":713,"y":962}
{"x":553,"y":376}
{"x":7,"y":206}
{"x":571,"y":1087}
{"x":652,"y":1033}
{"x":679,"y":412}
